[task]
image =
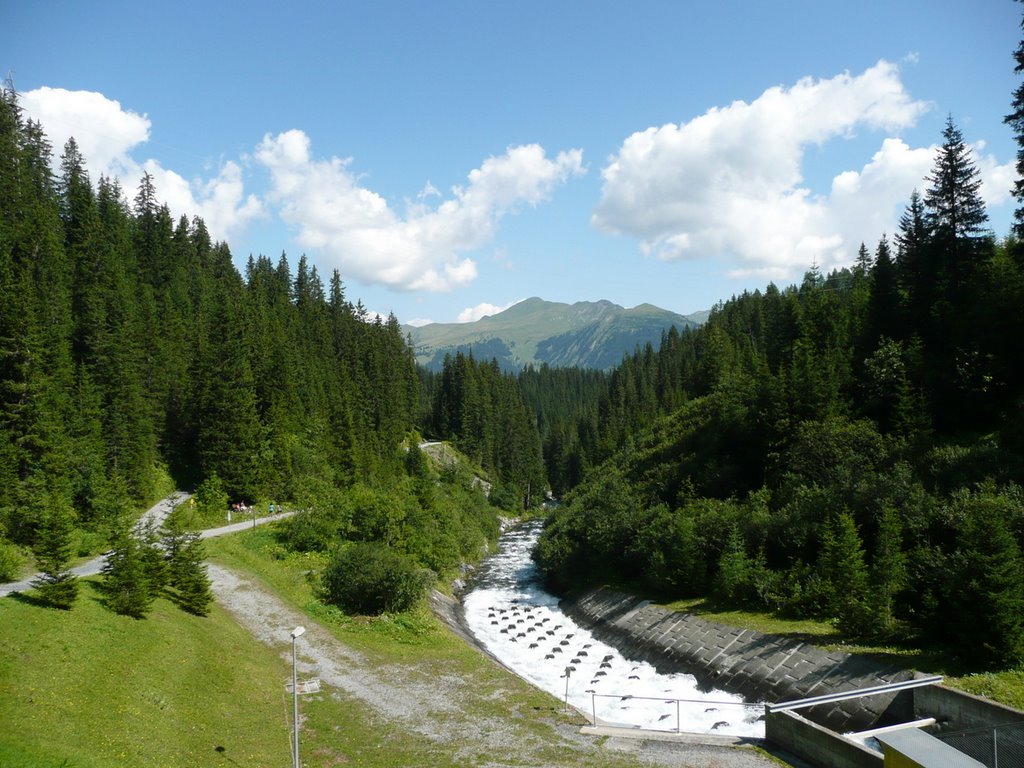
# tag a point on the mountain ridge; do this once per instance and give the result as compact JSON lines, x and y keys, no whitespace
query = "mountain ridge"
{"x":588,"y":334}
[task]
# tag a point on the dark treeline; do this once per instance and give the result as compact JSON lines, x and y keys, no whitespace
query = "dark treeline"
{"x":135,"y":358}
{"x":849,"y":448}
{"x":481,"y":410}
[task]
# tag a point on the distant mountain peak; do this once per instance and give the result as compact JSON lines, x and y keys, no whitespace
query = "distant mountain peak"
{"x":588,"y":334}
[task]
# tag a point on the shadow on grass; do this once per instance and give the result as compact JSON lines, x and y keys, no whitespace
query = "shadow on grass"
{"x":222,"y":752}
{"x":26,"y":598}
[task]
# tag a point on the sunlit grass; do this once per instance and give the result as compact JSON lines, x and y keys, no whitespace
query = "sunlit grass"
{"x":87,"y":687}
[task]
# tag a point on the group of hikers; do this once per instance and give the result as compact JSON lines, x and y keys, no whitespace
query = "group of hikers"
{"x":241,"y":508}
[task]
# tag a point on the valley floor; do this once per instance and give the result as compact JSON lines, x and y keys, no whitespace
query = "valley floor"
{"x":443,"y":708}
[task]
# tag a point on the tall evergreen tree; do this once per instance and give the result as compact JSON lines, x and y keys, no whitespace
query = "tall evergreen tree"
{"x":962,"y":248}
{"x":1016,"y":121}
{"x":186,"y":569}
{"x":956,"y":215}
{"x":125,"y":581}
{"x":56,"y":584}
{"x":884,"y":303}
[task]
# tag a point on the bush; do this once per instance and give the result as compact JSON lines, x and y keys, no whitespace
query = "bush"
{"x":367,"y":578}
{"x":11,"y":561}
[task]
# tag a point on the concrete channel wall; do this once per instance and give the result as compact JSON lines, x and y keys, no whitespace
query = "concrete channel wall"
{"x":760,"y":667}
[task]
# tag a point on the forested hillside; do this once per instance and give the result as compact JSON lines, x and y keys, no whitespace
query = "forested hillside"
{"x":848,"y":448}
{"x":135,"y":358}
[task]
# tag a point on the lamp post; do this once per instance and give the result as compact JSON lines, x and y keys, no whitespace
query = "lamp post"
{"x":295,"y":697}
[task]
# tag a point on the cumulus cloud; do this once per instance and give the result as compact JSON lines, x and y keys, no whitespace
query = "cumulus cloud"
{"x":730,"y":182}
{"x":104,"y":131}
{"x":422,"y":249}
{"x":472,"y":314}
{"x":997,"y":179}
{"x":221,"y":202}
{"x":107,"y":136}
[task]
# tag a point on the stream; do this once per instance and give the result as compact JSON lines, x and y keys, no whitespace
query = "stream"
{"x":519,"y":623}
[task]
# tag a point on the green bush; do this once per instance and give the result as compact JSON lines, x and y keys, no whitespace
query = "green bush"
{"x":367,"y":578}
{"x":11,"y":561}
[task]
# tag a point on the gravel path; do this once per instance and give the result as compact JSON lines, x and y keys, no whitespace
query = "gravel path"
{"x":420,"y":700}
{"x":155,"y":514}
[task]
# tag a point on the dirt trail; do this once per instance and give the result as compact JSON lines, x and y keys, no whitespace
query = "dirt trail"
{"x":427,"y":704}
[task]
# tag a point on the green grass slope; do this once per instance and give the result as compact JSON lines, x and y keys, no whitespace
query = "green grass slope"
{"x":88,"y":688}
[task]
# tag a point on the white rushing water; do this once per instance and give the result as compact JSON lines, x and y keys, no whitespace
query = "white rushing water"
{"x":522,"y":625}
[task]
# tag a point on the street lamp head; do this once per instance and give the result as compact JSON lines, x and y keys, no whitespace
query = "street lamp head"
{"x":297,"y":631}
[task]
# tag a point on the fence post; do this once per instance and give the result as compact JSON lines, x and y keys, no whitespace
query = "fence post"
{"x":593,"y":706}
{"x":995,"y":746}
{"x":679,"y":725}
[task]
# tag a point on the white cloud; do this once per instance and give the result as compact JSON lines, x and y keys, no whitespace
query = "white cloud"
{"x":107,"y":135}
{"x":730,"y":182}
{"x":419,"y":322}
{"x":472,"y":314}
{"x":997,"y":179}
{"x":423,"y":250}
{"x":220,"y":201}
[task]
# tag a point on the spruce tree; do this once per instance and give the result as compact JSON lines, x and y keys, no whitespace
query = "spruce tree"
{"x":986,"y":588}
{"x":1016,"y":121}
{"x":962,"y":248}
{"x":888,"y":571}
{"x":883,"y":305}
{"x":916,"y":272}
{"x":125,"y":582}
{"x":955,"y":213}
{"x":56,"y":584}
{"x":841,"y":562}
{"x":186,"y":569}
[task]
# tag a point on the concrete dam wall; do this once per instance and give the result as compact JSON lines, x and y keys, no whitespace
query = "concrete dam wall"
{"x":760,"y":667}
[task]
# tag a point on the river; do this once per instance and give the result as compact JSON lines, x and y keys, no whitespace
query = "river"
{"x":509,"y":612}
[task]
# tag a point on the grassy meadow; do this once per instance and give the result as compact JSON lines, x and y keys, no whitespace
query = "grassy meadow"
{"x":87,"y":688}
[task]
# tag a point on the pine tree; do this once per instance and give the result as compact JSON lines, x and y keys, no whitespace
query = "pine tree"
{"x":986,"y":590}
{"x":186,"y":570}
{"x":841,"y":562}
{"x":56,"y":584}
{"x":888,"y":572}
{"x":125,"y":583}
{"x":1016,"y":121}
{"x":883,"y":305}
{"x":916,"y":273}
{"x":956,"y":215}
{"x":961,"y":248}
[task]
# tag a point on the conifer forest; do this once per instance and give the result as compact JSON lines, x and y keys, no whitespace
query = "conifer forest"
{"x":849,"y":448}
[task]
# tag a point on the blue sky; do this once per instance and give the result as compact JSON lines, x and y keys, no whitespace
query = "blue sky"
{"x":451,"y":158}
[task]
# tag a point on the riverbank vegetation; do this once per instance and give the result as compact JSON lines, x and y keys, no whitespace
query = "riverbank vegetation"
{"x":848,"y":449}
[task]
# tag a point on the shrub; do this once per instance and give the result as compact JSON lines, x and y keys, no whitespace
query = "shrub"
{"x":367,"y":578}
{"x":11,"y":561}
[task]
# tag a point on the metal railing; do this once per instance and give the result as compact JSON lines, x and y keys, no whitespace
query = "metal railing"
{"x":674,"y":708}
{"x":857,"y":693}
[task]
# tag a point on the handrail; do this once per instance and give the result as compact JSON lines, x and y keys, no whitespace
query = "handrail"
{"x":857,"y":693}
{"x":666,"y":699}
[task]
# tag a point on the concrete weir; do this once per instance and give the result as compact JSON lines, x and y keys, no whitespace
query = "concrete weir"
{"x":758,"y":666}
